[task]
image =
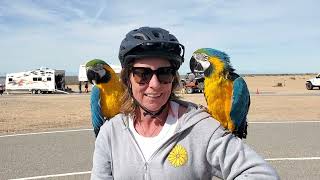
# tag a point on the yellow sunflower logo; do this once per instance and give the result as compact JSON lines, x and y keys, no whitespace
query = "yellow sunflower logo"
{"x":178,"y":156}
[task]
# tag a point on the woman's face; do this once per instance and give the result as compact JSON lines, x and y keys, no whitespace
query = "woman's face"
{"x":151,"y":94}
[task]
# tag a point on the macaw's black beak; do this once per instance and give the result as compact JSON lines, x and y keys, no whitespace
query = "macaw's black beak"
{"x":195,"y":65}
{"x":92,"y":76}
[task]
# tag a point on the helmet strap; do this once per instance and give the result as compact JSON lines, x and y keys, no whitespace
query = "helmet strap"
{"x":153,"y":114}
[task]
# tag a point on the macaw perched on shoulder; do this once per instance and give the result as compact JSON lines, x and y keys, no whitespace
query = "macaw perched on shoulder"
{"x":226,"y":93}
{"x":106,"y":92}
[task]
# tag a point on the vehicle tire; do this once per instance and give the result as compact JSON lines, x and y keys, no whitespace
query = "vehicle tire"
{"x":182,"y":90}
{"x":309,"y":86}
{"x":33,"y":91}
{"x":182,"y":83}
{"x":189,"y":90}
{"x":201,"y":87}
{"x":39,"y":91}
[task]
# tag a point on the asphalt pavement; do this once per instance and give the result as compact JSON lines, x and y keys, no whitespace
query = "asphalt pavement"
{"x":292,"y":148}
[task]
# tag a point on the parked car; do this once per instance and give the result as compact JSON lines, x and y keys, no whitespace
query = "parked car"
{"x":193,"y":82}
{"x":314,"y":82}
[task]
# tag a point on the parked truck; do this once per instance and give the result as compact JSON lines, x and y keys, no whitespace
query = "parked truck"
{"x":193,"y":82}
{"x":314,"y":82}
{"x":38,"y":81}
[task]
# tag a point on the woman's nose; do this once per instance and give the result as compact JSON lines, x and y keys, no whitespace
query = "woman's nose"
{"x":154,"y":82}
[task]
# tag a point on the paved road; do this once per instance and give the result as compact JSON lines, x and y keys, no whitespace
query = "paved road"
{"x":71,"y":152}
{"x":46,"y":154}
{"x":296,"y":140}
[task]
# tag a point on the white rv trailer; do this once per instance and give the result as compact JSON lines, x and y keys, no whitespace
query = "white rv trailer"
{"x":43,"y":80}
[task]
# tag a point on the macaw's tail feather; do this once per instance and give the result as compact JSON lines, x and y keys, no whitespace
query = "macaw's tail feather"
{"x":97,"y":118}
{"x":242,"y":132}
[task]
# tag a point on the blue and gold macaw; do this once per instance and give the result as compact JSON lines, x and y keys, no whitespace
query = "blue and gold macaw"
{"x":106,"y":92}
{"x":226,"y":93}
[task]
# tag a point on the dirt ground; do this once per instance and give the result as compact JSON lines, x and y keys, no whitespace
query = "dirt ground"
{"x":273,"y":98}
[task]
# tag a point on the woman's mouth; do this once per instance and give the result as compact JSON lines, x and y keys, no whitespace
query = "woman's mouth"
{"x":152,"y":95}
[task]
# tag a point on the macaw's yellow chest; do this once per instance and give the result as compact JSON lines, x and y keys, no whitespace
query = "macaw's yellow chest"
{"x":111,"y":94}
{"x":218,"y":94}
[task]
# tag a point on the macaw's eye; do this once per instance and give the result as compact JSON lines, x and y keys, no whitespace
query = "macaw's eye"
{"x":96,"y":68}
{"x":200,"y":56}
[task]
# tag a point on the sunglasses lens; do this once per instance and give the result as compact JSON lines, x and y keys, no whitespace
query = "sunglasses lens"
{"x":165,"y":75}
{"x":142,"y":75}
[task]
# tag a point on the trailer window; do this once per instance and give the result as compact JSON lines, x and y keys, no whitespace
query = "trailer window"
{"x":48,"y":78}
{"x":39,"y":79}
{"x":35,"y":79}
{"x":10,"y":79}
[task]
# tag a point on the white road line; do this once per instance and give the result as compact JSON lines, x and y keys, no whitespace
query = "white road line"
{"x":293,"y":159}
{"x":48,"y":132}
{"x":88,"y":172}
{"x":281,"y":122}
{"x":54,"y":175}
{"x":75,"y":130}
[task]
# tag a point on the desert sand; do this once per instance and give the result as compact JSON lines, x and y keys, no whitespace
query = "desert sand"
{"x":273,"y":98}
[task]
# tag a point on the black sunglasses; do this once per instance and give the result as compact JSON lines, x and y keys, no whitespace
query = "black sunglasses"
{"x":143,"y":75}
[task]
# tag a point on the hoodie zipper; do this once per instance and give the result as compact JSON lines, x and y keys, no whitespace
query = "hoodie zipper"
{"x":145,"y":166}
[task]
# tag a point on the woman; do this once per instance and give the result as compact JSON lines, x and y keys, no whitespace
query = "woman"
{"x":157,"y":136}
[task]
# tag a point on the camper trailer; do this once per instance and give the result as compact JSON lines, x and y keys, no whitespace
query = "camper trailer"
{"x":38,"y":81}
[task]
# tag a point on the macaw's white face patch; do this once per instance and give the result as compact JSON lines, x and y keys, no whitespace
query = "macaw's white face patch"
{"x":200,"y":56}
{"x":202,"y":59}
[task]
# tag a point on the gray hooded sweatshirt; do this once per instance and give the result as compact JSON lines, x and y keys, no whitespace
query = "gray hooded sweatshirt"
{"x":199,"y":149}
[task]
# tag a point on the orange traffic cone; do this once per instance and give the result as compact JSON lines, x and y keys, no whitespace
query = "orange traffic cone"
{"x":257,"y":91}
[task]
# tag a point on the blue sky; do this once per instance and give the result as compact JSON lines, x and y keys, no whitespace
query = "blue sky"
{"x":275,"y":36}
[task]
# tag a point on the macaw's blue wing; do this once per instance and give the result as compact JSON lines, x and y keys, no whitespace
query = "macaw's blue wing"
{"x":96,"y":113}
{"x":240,"y":106}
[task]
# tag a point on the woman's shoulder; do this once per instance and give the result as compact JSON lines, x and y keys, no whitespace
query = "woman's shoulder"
{"x":117,"y":121}
{"x":187,"y":107}
{"x":191,"y":114}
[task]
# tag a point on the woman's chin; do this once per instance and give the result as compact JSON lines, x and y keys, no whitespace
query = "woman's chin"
{"x":154,"y":107}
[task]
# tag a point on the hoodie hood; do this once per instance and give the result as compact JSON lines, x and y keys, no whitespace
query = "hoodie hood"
{"x":195,"y":113}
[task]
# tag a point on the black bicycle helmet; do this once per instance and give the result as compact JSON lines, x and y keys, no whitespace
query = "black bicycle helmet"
{"x":151,"y":42}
